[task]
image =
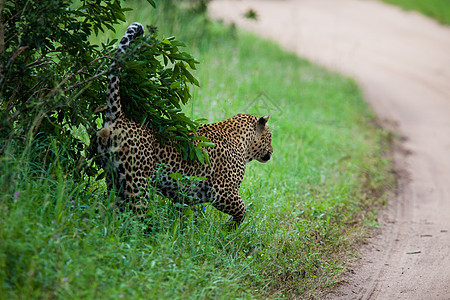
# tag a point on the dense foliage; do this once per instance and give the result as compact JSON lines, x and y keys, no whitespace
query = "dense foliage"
{"x":52,"y":78}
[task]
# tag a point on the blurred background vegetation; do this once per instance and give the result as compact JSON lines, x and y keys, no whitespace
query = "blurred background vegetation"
{"x":436,"y":9}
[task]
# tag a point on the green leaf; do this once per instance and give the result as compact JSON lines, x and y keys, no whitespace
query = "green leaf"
{"x":200,"y":138}
{"x":175,"y":85}
{"x":152,"y":3}
{"x":206,"y":156}
{"x":206,"y":144}
{"x":199,"y":155}
{"x":176,"y":176}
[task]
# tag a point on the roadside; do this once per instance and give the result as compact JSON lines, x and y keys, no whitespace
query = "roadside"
{"x":401,"y":61}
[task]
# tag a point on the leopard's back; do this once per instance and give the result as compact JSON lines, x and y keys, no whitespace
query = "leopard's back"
{"x":134,"y":159}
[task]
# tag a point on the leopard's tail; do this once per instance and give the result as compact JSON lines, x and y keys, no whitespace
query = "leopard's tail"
{"x":114,"y":106}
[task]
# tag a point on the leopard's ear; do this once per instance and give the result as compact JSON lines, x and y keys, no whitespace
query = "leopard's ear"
{"x":263,"y":120}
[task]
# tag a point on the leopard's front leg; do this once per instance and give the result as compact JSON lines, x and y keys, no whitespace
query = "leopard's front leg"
{"x":230,"y":202}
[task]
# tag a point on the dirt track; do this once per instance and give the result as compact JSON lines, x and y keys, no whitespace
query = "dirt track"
{"x":402,"y":62}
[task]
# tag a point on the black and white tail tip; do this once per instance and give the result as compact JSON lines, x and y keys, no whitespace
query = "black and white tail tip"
{"x":133,"y":31}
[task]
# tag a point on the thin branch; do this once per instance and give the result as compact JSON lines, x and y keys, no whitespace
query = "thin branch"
{"x":19,"y":112}
{"x":42,"y":64}
{"x":38,"y":61}
{"x":99,"y":58}
{"x":81,"y":71}
{"x":2,"y":39}
{"x":2,"y":28}
{"x":85,"y":81}
{"x":9,"y":105}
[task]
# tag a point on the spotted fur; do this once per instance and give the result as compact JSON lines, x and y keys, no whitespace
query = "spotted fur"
{"x":131,"y":155}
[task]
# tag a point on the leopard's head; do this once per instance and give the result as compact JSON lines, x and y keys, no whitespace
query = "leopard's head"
{"x":261,"y":147}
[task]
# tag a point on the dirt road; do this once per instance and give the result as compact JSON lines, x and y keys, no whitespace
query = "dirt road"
{"x":402,"y":62}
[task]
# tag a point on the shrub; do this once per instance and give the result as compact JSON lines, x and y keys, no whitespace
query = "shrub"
{"x":53,"y":79}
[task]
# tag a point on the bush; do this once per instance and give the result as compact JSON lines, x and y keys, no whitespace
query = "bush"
{"x":53,"y":79}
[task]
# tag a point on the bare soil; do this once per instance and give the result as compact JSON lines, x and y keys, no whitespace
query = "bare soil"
{"x":402,"y":62}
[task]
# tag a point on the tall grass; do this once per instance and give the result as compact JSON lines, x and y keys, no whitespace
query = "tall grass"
{"x":63,"y":239}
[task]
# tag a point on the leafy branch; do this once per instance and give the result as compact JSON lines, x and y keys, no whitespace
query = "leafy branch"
{"x":52,"y":79}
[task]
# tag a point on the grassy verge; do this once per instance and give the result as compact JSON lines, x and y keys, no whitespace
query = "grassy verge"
{"x":436,"y":9}
{"x":63,"y":239}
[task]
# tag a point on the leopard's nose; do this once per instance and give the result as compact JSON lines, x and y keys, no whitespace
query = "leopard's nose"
{"x":266,"y":157}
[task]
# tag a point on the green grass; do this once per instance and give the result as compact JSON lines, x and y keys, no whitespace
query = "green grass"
{"x":436,"y":9}
{"x":307,"y":206}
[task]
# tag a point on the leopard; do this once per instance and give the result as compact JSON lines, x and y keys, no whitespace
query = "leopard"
{"x":133,"y":156}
